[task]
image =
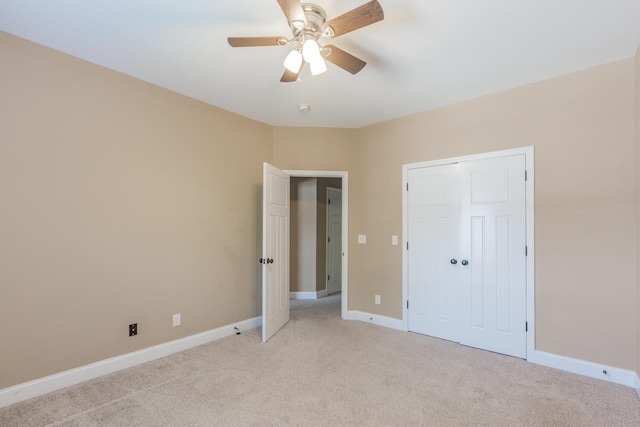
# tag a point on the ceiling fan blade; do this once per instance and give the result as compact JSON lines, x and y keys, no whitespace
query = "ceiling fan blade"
{"x":290,"y":76}
{"x":344,"y":60}
{"x":293,"y":11}
{"x":256,"y":41}
{"x":359,"y":17}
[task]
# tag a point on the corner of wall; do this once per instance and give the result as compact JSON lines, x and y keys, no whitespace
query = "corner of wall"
{"x":637,"y":146}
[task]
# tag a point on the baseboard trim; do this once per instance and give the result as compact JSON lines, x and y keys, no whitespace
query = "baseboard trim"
{"x":308,"y":295}
{"x":638,"y":384}
{"x":376,"y":319}
{"x":589,"y":369}
{"x":28,"y":390}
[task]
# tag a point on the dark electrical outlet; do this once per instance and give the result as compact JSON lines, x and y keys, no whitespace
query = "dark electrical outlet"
{"x":133,"y":329}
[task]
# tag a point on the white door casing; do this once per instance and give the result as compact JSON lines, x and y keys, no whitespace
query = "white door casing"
{"x":334,"y":240}
{"x":275,"y":250}
{"x":496,"y":223}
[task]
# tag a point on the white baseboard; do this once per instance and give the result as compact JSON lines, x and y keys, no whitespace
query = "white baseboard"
{"x":589,"y":369}
{"x":376,"y":319}
{"x":638,"y":383}
{"x":28,"y":390}
{"x":308,"y":295}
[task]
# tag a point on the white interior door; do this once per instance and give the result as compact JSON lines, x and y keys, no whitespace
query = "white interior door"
{"x":433,"y":227}
{"x":275,"y":250}
{"x":334,"y":240}
{"x":492,"y":240}
{"x":466,"y":261}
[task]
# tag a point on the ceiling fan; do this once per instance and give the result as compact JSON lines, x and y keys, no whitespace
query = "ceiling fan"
{"x":308,"y":24}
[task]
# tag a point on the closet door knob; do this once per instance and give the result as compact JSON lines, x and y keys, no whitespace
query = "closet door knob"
{"x":464,"y":262}
{"x":454,"y":261}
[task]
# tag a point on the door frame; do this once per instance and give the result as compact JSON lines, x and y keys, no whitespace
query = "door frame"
{"x":528,"y":153}
{"x":345,"y":225}
{"x":326,"y":264}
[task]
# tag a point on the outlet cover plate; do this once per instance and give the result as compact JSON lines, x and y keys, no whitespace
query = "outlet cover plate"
{"x":176,"y":319}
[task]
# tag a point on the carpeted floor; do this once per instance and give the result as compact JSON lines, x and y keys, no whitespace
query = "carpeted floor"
{"x":322,"y":371}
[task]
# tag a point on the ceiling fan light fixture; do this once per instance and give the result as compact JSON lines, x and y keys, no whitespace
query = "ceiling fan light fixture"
{"x":311,"y":50}
{"x":318,"y":66}
{"x":293,"y":61}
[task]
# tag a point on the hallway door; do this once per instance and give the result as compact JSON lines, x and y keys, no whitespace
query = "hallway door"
{"x":275,"y":250}
{"x":334,"y":240}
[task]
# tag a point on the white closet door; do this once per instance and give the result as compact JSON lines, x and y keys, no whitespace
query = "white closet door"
{"x":433,"y":229}
{"x":492,"y":245}
{"x":466,"y":261}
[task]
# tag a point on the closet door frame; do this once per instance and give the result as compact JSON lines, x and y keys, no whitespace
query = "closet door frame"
{"x":529,"y":226}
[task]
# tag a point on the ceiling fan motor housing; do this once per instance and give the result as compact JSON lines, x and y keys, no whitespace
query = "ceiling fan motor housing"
{"x":316,"y":18}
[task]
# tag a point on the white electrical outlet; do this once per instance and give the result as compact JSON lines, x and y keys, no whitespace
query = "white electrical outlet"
{"x":394,"y":240}
{"x":176,"y":319}
{"x":362,"y":239}
{"x":377,"y":299}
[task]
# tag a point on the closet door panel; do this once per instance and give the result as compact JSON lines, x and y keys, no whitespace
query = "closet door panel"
{"x":492,"y":243}
{"x":433,"y":199}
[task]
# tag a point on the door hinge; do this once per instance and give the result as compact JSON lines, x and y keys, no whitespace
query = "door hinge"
{"x":526,"y":326}
{"x":329,"y":201}
{"x":407,"y":304}
{"x":328,"y":277}
{"x":407,"y":186}
{"x":526,"y":251}
{"x":407,"y":245}
{"x":329,"y":239}
{"x":525,"y":175}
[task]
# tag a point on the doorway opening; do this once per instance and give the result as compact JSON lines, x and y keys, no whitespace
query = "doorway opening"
{"x":311,"y":270}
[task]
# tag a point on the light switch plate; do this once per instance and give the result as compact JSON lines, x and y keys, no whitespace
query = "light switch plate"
{"x":394,"y":240}
{"x":362,"y":239}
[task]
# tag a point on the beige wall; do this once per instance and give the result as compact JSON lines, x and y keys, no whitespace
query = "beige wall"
{"x":637,"y":81}
{"x":303,"y":237}
{"x":582,"y":127}
{"x":121,"y":202}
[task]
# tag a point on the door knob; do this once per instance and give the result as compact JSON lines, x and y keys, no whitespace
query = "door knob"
{"x":270,"y":261}
{"x":464,"y":262}
{"x":454,"y":261}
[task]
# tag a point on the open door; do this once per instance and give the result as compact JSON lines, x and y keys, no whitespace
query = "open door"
{"x":275,"y":250}
{"x":334,"y":240}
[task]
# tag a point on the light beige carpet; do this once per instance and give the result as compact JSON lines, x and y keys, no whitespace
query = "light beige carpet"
{"x":323,"y":371}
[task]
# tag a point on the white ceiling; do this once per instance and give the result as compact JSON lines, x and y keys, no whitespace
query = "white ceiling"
{"x":424,"y":54}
